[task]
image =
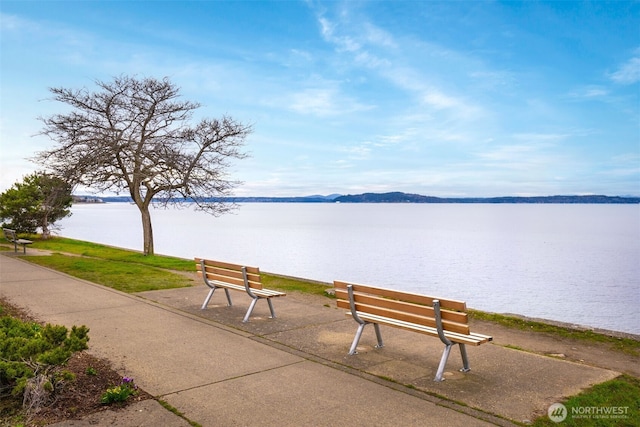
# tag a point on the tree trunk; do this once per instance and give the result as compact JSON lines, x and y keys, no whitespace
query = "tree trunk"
{"x":147,"y":230}
{"x":46,"y":233}
{"x":44,"y":225}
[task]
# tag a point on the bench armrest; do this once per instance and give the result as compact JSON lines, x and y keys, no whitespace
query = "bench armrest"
{"x":352,"y":304}
{"x":438,"y":316}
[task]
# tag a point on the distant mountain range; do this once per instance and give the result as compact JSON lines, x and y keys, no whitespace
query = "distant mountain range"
{"x":395,"y":197}
{"x":398,"y":197}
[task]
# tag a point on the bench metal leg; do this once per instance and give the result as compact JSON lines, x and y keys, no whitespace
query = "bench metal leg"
{"x":273,"y":313}
{"x":443,"y":362}
{"x":378,"y":335}
{"x":207,"y":299}
{"x":226,"y":291}
{"x":252,"y":306}
{"x":356,"y":339}
{"x":445,"y":356}
{"x":250,"y":310}
{"x":465,"y":360}
{"x":210,"y":294}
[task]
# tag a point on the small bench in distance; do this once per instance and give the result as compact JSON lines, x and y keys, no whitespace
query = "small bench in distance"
{"x":224,"y":275}
{"x":445,"y":319}
{"x":11,"y":236}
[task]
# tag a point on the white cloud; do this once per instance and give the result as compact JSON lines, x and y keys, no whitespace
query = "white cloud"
{"x":298,"y":56}
{"x":590,"y":92}
{"x":629,"y":72}
{"x":368,"y":60}
{"x":539,"y":137}
{"x":527,"y":153}
{"x":367,"y":46}
{"x":359,"y":152}
{"x":323,"y":102}
{"x":439,"y":100}
{"x":13,"y":23}
{"x":343,"y":43}
{"x":459,"y":107}
{"x":624,"y":165}
{"x":378,"y":36}
{"x":314,"y":101}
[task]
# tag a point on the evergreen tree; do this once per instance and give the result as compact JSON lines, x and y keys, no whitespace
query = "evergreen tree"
{"x":35,"y":203}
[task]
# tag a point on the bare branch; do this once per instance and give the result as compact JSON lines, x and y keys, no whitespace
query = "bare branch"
{"x":134,"y":135}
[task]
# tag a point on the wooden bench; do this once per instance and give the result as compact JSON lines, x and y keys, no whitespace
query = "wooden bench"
{"x":217,"y":274}
{"x":445,"y":319}
{"x":11,"y":236}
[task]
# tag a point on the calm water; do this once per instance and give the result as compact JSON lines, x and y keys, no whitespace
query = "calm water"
{"x":572,"y":263}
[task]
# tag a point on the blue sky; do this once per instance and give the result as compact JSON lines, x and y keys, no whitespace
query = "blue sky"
{"x":438,"y":98}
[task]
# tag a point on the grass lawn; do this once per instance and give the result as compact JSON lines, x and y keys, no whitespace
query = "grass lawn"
{"x":625,"y":345}
{"x":95,"y":250}
{"x":124,"y":276}
{"x":131,"y":271}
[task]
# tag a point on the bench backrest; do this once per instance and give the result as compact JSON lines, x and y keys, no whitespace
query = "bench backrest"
{"x":404,"y":306}
{"x":229,"y":273}
{"x":10,"y":234}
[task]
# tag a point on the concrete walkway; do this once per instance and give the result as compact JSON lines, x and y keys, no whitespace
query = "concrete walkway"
{"x":292,"y":370}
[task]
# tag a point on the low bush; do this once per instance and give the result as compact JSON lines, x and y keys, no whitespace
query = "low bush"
{"x":32,"y":359}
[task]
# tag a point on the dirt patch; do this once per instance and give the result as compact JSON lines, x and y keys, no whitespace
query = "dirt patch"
{"x":82,"y":396}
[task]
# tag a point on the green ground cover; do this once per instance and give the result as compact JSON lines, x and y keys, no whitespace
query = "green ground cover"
{"x":95,"y":250}
{"x":625,"y":345}
{"x":124,"y":276}
{"x":87,"y":261}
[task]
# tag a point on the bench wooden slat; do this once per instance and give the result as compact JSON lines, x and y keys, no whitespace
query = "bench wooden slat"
{"x":231,"y":279}
{"x":232,"y":273}
{"x":228,"y":265}
{"x":448,"y":304}
{"x":404,"y":316}
{"x":421,"y":310}
{"x":253,"y":277}
{"x":264,"y":293}
{"x":428,"y":330}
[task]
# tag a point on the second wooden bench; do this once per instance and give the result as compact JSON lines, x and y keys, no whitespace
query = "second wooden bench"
{"x":224,"y":275}
{"x":445,"y":319}
{"x":12,"y":236}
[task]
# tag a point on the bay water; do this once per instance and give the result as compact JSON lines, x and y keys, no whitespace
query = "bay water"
{"x":578,"y":264}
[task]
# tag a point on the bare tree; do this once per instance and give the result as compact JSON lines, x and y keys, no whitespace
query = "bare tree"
{"x":135,"y":135}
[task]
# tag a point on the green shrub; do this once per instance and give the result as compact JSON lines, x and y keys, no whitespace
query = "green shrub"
{"x":32,"y":357}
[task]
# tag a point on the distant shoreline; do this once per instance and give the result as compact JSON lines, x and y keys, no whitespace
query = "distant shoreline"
{"x":395,"y":197}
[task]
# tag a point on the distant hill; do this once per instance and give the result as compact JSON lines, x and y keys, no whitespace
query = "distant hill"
{"x":395,"y":197}
{"x":300,"y":199}
{"x":398,"y":197}
{"x":265,"y":199}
